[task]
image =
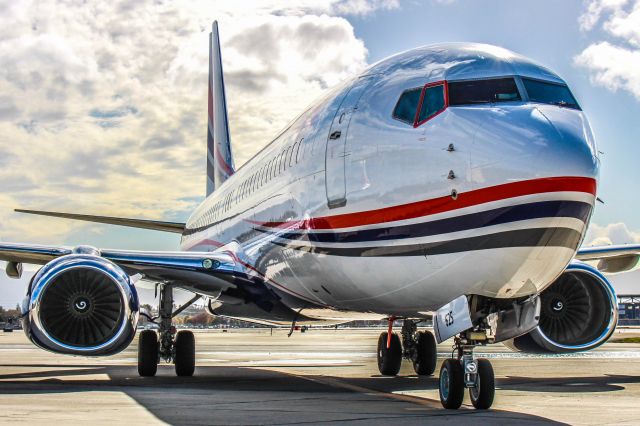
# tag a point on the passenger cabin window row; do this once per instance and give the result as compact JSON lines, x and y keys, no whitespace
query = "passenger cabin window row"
{"x":419,"y":105}
{"x":287,"y":158}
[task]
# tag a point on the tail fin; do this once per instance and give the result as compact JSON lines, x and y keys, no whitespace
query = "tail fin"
{"x":219,"y":159}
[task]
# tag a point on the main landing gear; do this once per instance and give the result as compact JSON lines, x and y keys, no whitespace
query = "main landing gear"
{"x":417,"y":346}
{"x":464,"y":371}
{"x":168,"y":345}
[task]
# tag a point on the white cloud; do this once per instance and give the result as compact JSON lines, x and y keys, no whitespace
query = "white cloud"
{"x":103,"y":104}
{"x":613,"y":233}
{"x":613,"y":63}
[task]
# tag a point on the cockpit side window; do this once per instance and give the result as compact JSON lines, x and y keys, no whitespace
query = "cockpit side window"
{"x":432,"y":102}
{"x":407,"y":106}
{"x":549,"y":93}
{"x":483,"y":91}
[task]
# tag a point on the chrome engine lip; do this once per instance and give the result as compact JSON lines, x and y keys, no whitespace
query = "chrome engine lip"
{"x":47,"y":275}
{"x":613,"y":317}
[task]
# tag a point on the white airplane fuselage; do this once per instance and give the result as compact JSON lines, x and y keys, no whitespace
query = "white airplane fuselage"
{"x":352,"y":210}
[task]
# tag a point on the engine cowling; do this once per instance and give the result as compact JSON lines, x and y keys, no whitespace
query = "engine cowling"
{"x":81,"y":304}
{"x":579,"y":312}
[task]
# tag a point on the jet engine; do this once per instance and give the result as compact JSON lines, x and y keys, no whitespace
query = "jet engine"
{"x":81,"y":304}
{"x":578,"y":313}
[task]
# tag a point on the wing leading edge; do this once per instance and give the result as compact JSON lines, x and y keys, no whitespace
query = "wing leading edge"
{"x":205,"y":273}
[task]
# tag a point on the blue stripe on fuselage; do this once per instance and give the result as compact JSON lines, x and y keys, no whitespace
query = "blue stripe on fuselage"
{"x":544,"y":209}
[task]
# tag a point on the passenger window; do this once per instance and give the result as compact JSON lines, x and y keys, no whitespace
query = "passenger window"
{"x":298,"y":150}
{"x":407,"y":105}
{"x":433,"y":102}
{"x":291,"y":154}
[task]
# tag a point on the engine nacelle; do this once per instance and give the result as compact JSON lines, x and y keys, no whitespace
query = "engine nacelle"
{"x":81,"y":304}
{"x":579,"y":312}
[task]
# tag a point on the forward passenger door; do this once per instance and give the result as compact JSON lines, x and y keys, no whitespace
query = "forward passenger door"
{"x":335,"y":161}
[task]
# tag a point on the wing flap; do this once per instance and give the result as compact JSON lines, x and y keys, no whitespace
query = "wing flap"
{"x":155,"y":225}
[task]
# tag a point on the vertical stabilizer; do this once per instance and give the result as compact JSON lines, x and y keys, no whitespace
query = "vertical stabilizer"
{"x":219,"y":159}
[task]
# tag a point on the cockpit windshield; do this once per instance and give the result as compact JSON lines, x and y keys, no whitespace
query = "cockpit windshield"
{"x":549,"y":93}
{"x":483,"y":91}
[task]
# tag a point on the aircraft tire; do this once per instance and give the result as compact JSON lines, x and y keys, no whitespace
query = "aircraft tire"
{"x":451,"y":384}
{"x":389,"y":359}
{"x":425,"y":363}
{"x":147,"y":353}
{"x":482,"y":395}
{"x":185,"y":357}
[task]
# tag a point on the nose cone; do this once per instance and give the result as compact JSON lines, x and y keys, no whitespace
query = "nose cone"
{"x":570,"y":149}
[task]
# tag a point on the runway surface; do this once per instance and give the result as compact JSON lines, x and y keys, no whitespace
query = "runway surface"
{"x":250,"y":377}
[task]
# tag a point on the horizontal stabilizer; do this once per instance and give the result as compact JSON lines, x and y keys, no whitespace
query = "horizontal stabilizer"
{"x":154,"y":225}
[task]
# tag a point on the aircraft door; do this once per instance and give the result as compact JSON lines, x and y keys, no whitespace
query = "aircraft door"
{"x":335,"y":161}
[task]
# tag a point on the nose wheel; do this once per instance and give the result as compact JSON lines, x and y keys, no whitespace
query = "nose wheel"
{"x":485,"y":388}
{"x":456,"y":374}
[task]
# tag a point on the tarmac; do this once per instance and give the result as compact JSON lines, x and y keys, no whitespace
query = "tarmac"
{"x":254,"y":377}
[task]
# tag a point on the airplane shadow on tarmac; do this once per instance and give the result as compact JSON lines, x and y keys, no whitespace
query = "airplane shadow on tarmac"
{"x":249,"y":395}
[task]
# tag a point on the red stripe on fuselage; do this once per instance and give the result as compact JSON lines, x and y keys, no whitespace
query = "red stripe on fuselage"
{"x":442,"y":204}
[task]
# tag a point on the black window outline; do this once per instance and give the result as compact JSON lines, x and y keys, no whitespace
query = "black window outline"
{"x":298,"y":150}
{"x":556,"y":83}
{"x":290,"y":154}
{"x":517,"y":80}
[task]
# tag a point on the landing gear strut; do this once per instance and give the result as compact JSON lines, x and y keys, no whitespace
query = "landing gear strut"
{"x":417,"y":346}
{"x":465,"y":371}
{"x":169,"y":346}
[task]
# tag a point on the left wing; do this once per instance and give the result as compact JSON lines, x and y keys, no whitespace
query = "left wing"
{"x":201,"y":272}
{"x":154,"y":225}
{"x":612,"y":259}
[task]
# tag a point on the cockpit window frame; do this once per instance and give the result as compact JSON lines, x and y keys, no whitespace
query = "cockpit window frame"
{"x":443,"y":83}
{"x":516,"y":79}
{"x":521,"y":79}
{"x":423,"y":90}
{"x":395,"y":108}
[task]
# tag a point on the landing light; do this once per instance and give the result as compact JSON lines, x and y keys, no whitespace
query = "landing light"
{"x":209,"y":264}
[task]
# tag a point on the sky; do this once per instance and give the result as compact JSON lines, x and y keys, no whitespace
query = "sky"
{"x":103,"y":104}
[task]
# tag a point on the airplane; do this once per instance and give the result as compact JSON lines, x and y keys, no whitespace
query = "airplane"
{"x":449,"y":184}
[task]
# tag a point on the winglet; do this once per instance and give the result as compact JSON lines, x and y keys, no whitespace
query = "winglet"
{"x":219,"y":158}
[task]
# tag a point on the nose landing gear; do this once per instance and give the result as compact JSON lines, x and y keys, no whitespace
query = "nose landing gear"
{"x":465,"y":371}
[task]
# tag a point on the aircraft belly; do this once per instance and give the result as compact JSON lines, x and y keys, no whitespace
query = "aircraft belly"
{"x":417,"y":285}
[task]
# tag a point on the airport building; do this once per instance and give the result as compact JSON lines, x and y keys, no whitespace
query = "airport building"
{"x":629,"y":310}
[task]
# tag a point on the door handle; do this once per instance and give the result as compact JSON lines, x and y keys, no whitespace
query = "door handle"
{"x":335,"y":135}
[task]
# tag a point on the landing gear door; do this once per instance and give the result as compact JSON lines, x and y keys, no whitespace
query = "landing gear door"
{"x":452,"y":318}
{"x":335,"y":161}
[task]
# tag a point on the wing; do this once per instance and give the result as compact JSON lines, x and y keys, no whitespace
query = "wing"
{"x":612,"y":259}
{"x":205,"y":273}
{"x":155,"y":225}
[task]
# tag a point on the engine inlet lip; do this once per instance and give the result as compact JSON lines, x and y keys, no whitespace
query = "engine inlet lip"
{"x":98,"y":264}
